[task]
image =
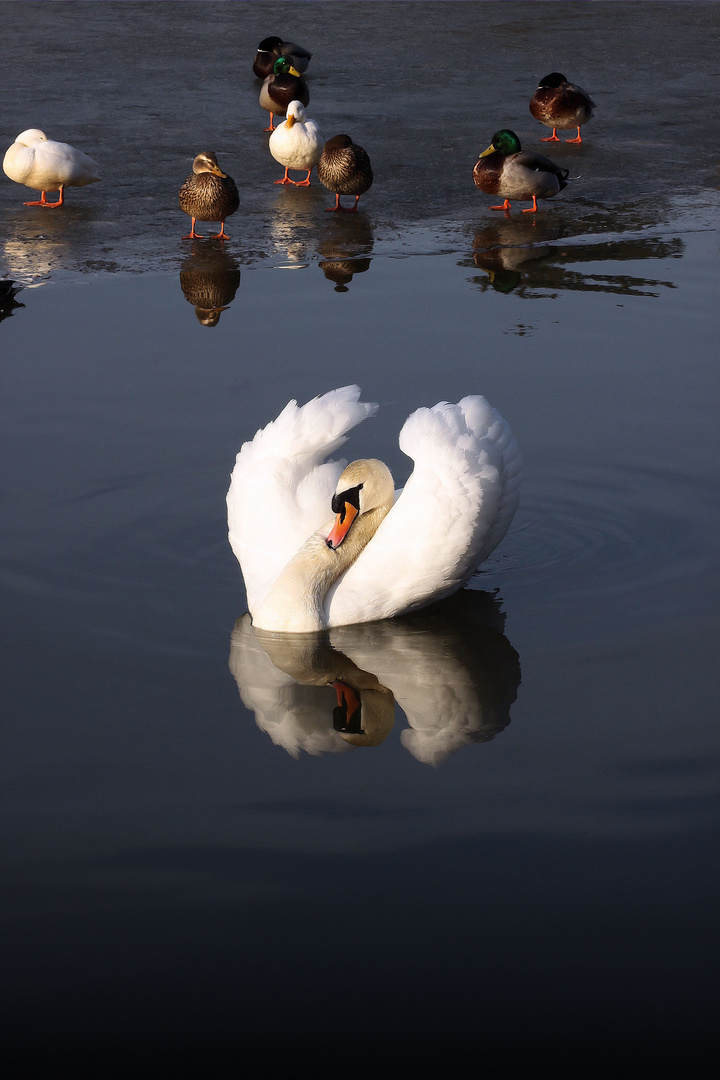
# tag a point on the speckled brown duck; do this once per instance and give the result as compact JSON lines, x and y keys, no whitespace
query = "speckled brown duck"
{"x":344,"y":168}
{"x":558,"y":103}
{"x":286,"y":84}
{"x":208,"y":194}
{"x":270,"y":48}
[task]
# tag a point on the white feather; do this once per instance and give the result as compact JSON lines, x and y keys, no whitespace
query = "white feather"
{"x":281,"y":486}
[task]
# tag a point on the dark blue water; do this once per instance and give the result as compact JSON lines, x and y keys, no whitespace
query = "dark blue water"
{"x":520,"y":875}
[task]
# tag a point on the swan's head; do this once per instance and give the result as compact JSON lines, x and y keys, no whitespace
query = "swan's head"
{"x":295,"y":112}
{"x":207,"y":162}
{"x":31,"y":137}
{"x":364,"y":486}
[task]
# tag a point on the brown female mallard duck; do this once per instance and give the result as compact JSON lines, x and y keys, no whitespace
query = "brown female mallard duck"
{"x":208,"y":194}
{"x":507,"y":170}
{"x":558,"y":103}
{"x":286,"y":84}
{"x":344,"y":168}
{"x":270,"y":48}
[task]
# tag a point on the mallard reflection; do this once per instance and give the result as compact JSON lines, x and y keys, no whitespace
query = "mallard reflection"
{"x":8,"y":291}
{"x":450,"y":668}
{"x":345,"y":247}
{"x":342,"y":271}
{"x":209,"y":279}
{"x":530,"y":259}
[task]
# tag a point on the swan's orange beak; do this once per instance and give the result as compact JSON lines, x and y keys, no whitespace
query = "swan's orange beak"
{"x":343,"y":521}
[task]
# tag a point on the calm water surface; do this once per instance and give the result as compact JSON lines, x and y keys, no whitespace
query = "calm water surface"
{"x":516,"y":865}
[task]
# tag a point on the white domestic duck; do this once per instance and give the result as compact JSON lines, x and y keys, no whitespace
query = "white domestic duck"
{"x":385,"y":553}
{"x":297,"y":144}
{"x":46,"y":165}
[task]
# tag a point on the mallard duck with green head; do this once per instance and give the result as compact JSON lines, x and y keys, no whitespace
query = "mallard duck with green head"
{"x":505,"y":169}
{"x":208,"y":194}
{"x":558,"y":103}
{"x":270,"y":48}
{"x":286,"y":84}
{"x":344,"y":168}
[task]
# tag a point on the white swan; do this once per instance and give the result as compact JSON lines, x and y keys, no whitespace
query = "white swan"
{"x":380,"y":557}
{"x":297,"y":144}
{"x":46,"y":165}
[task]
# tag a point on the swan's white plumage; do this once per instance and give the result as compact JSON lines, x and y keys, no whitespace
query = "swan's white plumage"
{"x":454,"y":510}
{"x":281,"y":486}
{"x":46,"y":165}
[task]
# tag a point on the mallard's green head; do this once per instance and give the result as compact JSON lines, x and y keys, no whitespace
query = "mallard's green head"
{"x":283,"y":66}
{"x":503,"y":142}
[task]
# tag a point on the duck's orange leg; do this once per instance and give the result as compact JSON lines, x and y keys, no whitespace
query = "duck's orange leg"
{"x":42,"y":201}
{"x":338,"y":209}
{"x":286,"y":178}
{"x":302,"y":183}
{"x":222,"y":235}
{"x":578,"y":139}
{"x":271,"y":128}
{"x":505,"y":206}
{"x":192,"y":235}
{"x":531,"y":209}
{"x":552,"y":138}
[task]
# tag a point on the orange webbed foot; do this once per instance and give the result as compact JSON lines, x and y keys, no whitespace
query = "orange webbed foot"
{"x":552,"y":138}
{"x":43,"y":201}
{"x":531,"y":209}
{"x":505,"y":206}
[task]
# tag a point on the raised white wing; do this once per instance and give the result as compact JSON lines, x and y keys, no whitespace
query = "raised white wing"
{"x":454,"y":510}
{"x":281,"y":486}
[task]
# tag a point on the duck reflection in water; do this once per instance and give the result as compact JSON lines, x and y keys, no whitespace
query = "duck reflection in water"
{"x":346,"y":245}
{"x":528,"y":257}
{"x":450,"y":668}
{"x":209,"y":279}
{"x":8,"y":291}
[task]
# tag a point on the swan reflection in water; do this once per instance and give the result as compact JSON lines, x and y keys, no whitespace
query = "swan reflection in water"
{"x":209,"y":279}
{"x":449,"y":667}
{"x":524,"y":257}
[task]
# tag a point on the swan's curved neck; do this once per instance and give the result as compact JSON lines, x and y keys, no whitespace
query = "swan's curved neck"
{"x":295,"y":602}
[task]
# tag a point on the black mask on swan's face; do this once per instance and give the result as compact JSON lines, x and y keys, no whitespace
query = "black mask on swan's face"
{"x":351,"y":496}
{"x":346,"y":505}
